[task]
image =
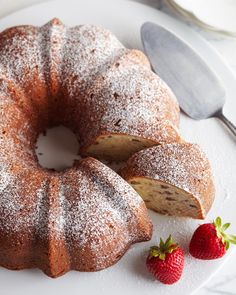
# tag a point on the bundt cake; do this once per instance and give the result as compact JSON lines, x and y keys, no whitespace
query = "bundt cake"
{"x":86,"y":217}
{"x":173,"y":179}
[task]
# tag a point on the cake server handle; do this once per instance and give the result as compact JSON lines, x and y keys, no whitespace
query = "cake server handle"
{"x":227,"y":122}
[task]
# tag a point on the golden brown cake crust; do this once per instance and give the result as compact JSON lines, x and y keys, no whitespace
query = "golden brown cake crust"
{"x":84,"y":218}
{"x":182,"y":165}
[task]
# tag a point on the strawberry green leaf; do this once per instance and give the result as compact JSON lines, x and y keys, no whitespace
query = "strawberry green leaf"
{"x":227,"y":245}
{"x":217,"y":222}
{"x":154,"y":251}
{"x":162,"y":256}
{"x":169,"y":242}
{"x":161,"y":243}
{"x":220,"y":231}
{"x":164,"y":248}
{"x":225,"y":226}
{"x":172,"y":248}
{"x":231,"y":239}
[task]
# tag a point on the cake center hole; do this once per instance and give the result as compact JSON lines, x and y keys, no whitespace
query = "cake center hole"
{"x":57,"y":148}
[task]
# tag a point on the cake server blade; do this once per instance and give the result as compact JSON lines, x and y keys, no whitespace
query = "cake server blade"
{"x":199,"y":91}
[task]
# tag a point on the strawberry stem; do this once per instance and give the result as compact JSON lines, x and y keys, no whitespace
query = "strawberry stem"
{"x":164,"y":247}
{"x":220,"y":231}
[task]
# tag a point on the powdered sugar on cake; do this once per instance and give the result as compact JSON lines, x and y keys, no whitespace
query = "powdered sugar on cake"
{"x":81,"y":76}
{"x":177,"y":164}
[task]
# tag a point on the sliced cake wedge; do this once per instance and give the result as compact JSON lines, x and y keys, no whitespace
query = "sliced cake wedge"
{"x":173,"y":179}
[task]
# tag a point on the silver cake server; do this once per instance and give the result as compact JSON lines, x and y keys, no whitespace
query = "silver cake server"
{"x":199,"y":91}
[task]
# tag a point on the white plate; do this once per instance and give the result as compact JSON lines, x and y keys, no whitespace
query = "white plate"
{"x":217,"y":15}
{"x":129,"y":274}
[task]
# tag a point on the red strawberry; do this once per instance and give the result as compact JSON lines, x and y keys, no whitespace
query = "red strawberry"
{"x":210,"y":241}
{"x":166,"y":262}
